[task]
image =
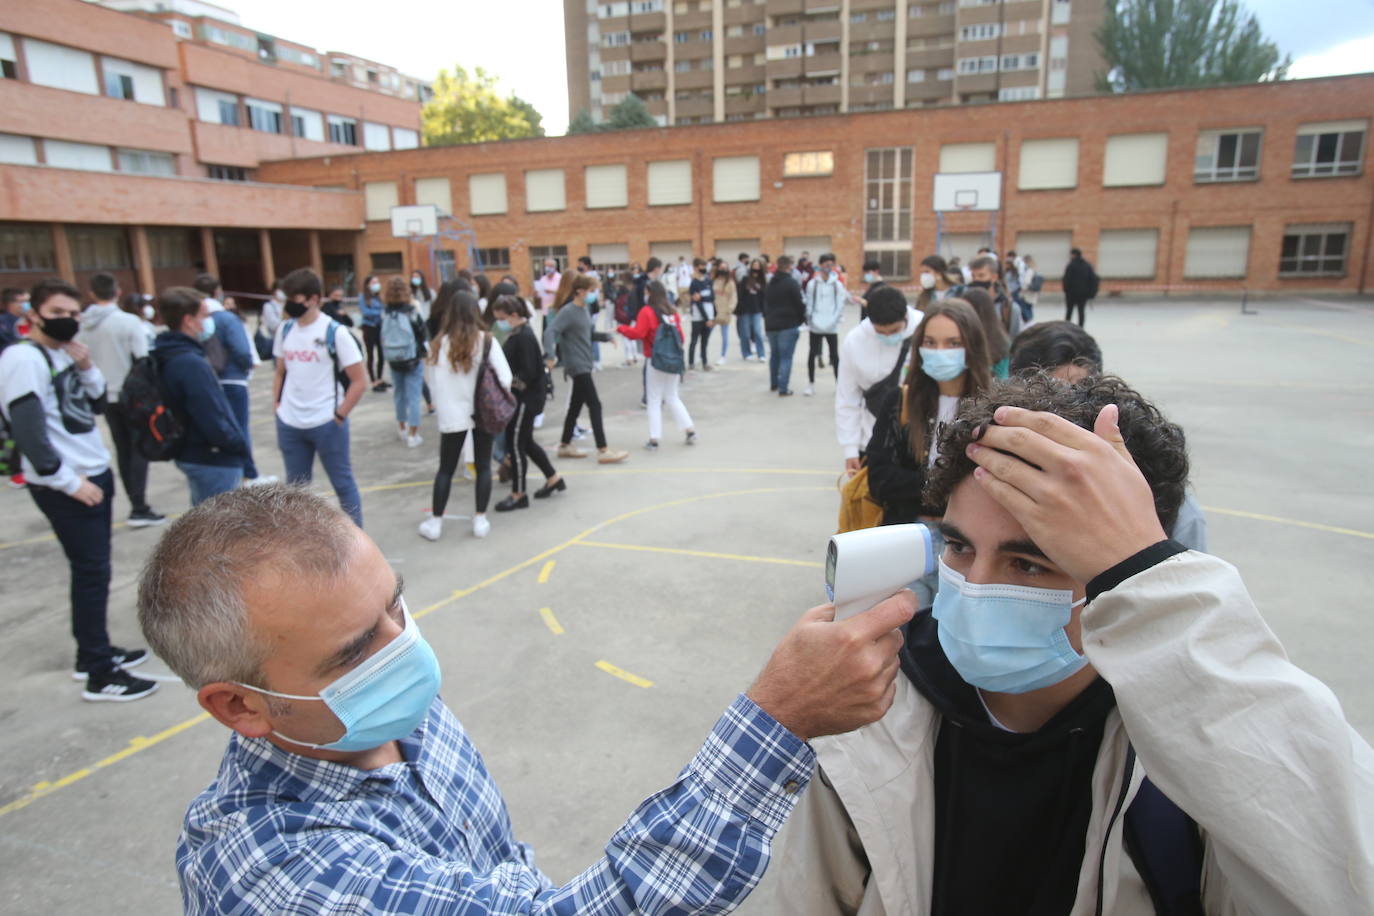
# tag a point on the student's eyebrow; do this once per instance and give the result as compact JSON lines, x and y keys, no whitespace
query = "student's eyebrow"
{"x":357,"y":647}
{"x":952,"y":533}
{"x":1023,"y":546}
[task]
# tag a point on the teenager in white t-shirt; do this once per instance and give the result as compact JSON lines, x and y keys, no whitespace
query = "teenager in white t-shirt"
{"x":312,"y":407}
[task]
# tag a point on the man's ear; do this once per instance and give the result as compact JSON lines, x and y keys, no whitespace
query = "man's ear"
{"x":244,"y":711}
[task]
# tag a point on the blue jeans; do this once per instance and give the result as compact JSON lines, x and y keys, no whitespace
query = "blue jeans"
{"x":206,"y":480}
{"x":237,"y":396}
{"x":724,"y":340}
{"x":750,"y":327}
{"x":330,"y":441}
{"x":406,"y":393}
{"x":782,"y":344}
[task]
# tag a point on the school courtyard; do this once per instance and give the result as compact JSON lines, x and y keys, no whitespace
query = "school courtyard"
{"x":589,"y":643}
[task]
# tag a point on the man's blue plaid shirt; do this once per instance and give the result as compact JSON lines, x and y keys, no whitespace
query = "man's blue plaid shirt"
{"x":277,"y":833}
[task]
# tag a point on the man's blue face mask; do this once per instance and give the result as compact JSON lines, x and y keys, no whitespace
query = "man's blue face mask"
{"x":383,"y":699}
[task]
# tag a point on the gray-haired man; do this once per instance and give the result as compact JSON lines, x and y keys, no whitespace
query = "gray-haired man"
{"x":348,"y":786}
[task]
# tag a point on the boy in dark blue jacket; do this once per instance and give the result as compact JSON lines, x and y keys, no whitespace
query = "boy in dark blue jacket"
{"x":214,"y":446}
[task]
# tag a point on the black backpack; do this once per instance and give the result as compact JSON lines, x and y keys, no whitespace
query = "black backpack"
{"x":875,"y":395}
{"x":158,"y":434}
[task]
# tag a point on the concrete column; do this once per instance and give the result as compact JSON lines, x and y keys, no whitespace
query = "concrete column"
{"x":718,"y":60}
{"x":316,"y":259}
{"x":362,"y":262}
{"x":844,"y":59}
{"x":207,"y":251}
{"x":669,"y":94}
{"x":143,"y":259}
{"x":899,"y":58}
{"x":269,"y":270}
{"x":62,"y":254}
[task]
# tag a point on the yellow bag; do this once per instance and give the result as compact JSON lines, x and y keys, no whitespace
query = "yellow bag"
{"x":857,"y":506}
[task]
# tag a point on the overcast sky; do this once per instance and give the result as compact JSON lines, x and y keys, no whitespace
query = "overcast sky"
{"x":521,"y":41}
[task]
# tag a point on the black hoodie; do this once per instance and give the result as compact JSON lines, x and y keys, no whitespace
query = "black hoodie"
{"x":1012,"y":810}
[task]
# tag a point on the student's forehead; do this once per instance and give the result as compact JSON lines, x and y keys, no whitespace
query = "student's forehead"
{"x":980,"y":517}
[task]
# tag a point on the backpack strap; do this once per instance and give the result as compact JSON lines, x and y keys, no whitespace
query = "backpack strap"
{"x":1166,"y":848}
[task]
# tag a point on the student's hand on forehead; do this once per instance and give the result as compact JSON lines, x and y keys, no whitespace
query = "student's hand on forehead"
{"x":1078,"y":494}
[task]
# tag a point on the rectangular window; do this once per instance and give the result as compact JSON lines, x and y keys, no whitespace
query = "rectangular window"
{"x":1127,"y":254}
{"x":227,"y":172}
{"x":9,"y":62}
{"x":379,"y":197}
{"x":387,"y":262}
{"x":1217,"y":252}
{"x":1325,"y":150}
{"x":25,"y":247}
{"x":705,"y":35}
{"x":968,"y":157}
{"x":127,"y":80}
{"x":264,"y":116}
{"x":1315,"y":250}
{"x":670,"y":183}
{"x":856,"y":18}
{"x":1047,"y":164}
{"x":541,"y":253}
{"x":808,"y":165}
{"x":342,"y":130}
{"x":376,"y":137}
{"x":404,"y":138}
{"x":487,"y":193}
{"x":307,"y":124}
{"x":144,"y":162}
{"x":615,"y":39}
{"x":983,"y":32}
{"x":1049,"y":247}
{"x":170,"y":247}
{"x":64,"y":154}
{"x":615,"y":67}
{"x":1018,"y":94}
{"x":1135,"y":160}
{"x":18,"y":150}
{"x":493,"y":258}
{"x":544,"y":191}
{"x":99,"y":247}
{"x":119,"y":86}
{"x":1227,"y":155}
{"x":915,"y":76}
{"x":887,"y":208}
{"x":944,"y":74}
{"x":893,"y":264}
{"x":606,"y":186}
{"x":435,"y":191}
{"x":735,"y":178}
{"x":181,"y":28}
{"x":886,"y":15}
{"x":217,"y":107}
{"x":60,"y":67}
{"x":682,"y":37}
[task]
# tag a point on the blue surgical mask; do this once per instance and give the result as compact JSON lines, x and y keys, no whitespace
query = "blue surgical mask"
{"x":207,"y":329}
{"x":383,"y":699}
{"x":870,"y":276}
{"x":1005,"y":638}
{"x":502,"y":325}
{"x":942,"y":365}
{"x":590,"y":297}
{"x":891,"y":340}
{"x":25,"y":307}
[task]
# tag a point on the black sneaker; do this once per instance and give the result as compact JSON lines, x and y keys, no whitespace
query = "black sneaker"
{"x":510,"y":504}
{"x":145,"y":518}
{"x":119,"y":686}
{"x":123,"y":658}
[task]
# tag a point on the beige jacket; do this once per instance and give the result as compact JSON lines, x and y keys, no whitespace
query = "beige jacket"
{"x":726,"y":296}
{"x":1256,"y":750}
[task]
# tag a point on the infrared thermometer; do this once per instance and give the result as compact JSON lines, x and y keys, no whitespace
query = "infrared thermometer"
{"x":868,"y":566}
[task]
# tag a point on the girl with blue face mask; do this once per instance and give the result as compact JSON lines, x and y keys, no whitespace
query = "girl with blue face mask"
{"x":948,"y":363}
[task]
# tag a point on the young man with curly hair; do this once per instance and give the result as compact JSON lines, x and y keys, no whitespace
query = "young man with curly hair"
{"x":1092,"y":719}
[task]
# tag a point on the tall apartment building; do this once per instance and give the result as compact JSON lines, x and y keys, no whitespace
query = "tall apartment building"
{"x":699,"y":61}
{"x":130,"y":141}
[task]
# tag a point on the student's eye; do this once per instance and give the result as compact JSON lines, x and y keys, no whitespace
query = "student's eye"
{"x":1029,"y":567}
{"x":958,"y":549}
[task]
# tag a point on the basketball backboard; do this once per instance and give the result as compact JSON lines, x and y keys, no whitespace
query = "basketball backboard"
{"x":415,"y":220}
{"x":956,"y":192}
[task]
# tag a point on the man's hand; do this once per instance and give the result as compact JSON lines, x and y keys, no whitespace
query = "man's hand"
{"x":88,"y":494}
{"x":826,"y":678}
{"x":1078,"y":494}
{"x":80,"y":354}
{"x":851,"y":466}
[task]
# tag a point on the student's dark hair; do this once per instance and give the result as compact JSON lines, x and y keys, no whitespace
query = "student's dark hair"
{"x":363,"y":290}
{"x":698,"y":262}
{"x":1157,"y":446}
{"x":985,"y":262}
{"x":462,"y":326}
{"x":585,"y":261}
{"x":443,"y":304}
{"x":176,"y":303}
{"x":1050,"y":344}
{"x":504,"y":288}
{"x":1075,"y":252}
{"x":300,"y":282}
{"x":582,"y":281}
{"x":936,"y":263}
{"x":483,"y":286}
{"x":873,"y":264}
{"x":44,"y":290}
{"x":132,"y":303}
{"x":784,"y":262}
{"x":652,"y":264}
{"x":9,"y":294}
{"x":656,"y":297}
{"x":510,"y":304}
{"x":828,"y":256}
{"x":743,"y":256}
{"x":923,"y":392}
{"x":206,"y":283}
{"x":993,"y":332}
{"x":104,"y":286}
{"x":887,"y":305}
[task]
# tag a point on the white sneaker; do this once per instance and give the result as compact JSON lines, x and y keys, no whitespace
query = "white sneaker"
{"x":721,"y":361}
{"x":262,"y":481}
{"x":414,"y":441}
{"x":808,"y":391}
{"x":431,"y":527}
{"x":480,"y":526}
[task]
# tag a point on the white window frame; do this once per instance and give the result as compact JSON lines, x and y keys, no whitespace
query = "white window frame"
{"x":1206,"y":164}
{"x":1306,"y":163}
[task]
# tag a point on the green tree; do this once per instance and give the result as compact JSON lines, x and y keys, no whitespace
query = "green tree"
{"x":466,"y":108}
{"x":628,"y":114}
{"x":1159,"y":44}
{"x":583,"y":124}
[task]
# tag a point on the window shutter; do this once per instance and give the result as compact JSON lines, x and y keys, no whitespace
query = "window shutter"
{"x":1217,"y":251}
{"x":968,"y":157}
{"x":669,"y":252}
{"x":609,"y":253}
{"x":487,"y":193}
{"x":376,"y":136}
{"x":1050,"y":250}
{"x":735,"y":178}
{"x":670,"y":183}
{"x":1135,"y":159}
{"x":380,"y":197}
{"x":435,"y":191}
{"x":605,"y":187}
{"x":544,"y":190}
{"x":1047,"y":164}
{"x":1127,"y":253}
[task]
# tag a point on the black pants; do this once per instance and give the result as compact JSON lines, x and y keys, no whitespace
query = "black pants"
{"x":372,"y":340}
{"x":701,"y":332}
{"x":450,"y":453}
{"x":1072,"y":303}
{"x":84,"y":533}
{"x":584,"y":394}
{"x":133,"y":467}
{"x":814,"y":352}
{"x":522,"y":448}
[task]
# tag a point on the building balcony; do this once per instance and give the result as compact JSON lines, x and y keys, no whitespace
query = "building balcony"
{"x":783,"y":7}
{"x":784,"y":35}
{"x":648,"y":80}
{"x":692,"y":22}
{"x":930,"y":60}
{"x":613,"y":24}
{"x":619,"y":52}
{"x":694,"y":79}
{"x":44,"y":194}
{"x":611,"y":84}
{"x":822,"y":64}
{"x":39,"y":111}
{"x":744,"y":104}
{"x":870,"y":95}
{"x":821,"y":6}
{"x":223,"y":145}
{"x":648,"y":50}
{"x":822,"y":95}
{"x":751,"y":75}
{"x":657,"y":108}
{"x":748,"y":44}
{"x":783,"y":69}
{"x":880,"y":62}
{"x":790,"y":97}
{"x":933,"y":26}
{"x":646,"y":22}
{"x":747,"y":14}
{"x":826,"y":30}
{"x":966,"y":84}
{"x":694,"y":108}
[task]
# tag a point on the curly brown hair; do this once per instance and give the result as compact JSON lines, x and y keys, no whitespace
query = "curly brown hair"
{"x":1158,"y":446}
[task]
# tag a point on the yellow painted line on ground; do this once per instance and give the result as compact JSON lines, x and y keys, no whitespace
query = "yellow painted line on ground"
{"x":547,"y":571}
{"x":1258,"y":516}
{"x":624,"y":675}
{"x":700,"y":553}
{"x":1334,"y":335}
{"x":551,"y":621}
{"x":135,"y":745}
{"x":795,"y":472}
